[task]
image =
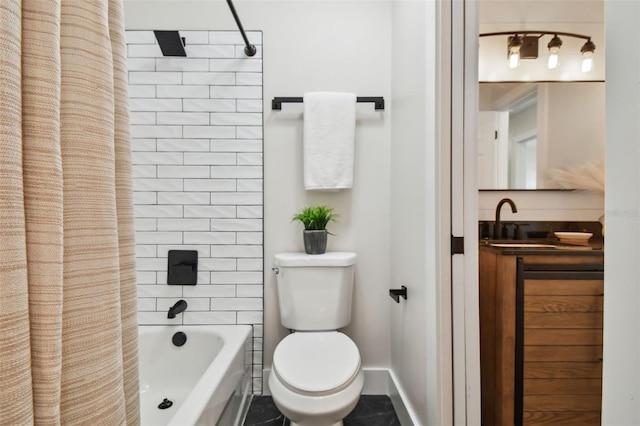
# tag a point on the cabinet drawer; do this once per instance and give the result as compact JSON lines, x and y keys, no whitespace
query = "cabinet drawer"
{"x":561,"y":403}
{"x":540,"y":418}
{"x":562,"y":386}
{"x":563,"y":287}
{"x":563,"y":320}
{"x":563,"y":336}
{"x":591,"y":353}
{"x":563,"y":303}
{"x":562,"y":370}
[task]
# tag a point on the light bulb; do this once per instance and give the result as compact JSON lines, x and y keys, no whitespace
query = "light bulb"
{"x":553,"y":61}
{"x":587,"y":61}
{"x":514,"y":60}
{"x":554,"y":49}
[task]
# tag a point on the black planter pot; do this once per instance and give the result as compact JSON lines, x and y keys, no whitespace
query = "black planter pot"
{"x":315,"y":241}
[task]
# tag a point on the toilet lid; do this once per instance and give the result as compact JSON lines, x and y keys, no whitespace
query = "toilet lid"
{"x":316,"y":362}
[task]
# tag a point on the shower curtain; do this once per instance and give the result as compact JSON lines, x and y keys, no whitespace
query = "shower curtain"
{"x":68,"y":348}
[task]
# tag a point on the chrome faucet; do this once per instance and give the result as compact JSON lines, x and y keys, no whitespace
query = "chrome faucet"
{"x":180,"y":306}
{"x":497,"y":226}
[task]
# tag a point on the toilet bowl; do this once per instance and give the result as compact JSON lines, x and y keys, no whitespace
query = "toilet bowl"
{"x":316,"y":378}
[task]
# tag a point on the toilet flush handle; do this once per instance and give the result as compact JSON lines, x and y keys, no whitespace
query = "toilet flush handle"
{"x":275,"y":270}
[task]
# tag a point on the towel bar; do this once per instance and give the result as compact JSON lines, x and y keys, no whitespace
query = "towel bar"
{"x":277,"y":102}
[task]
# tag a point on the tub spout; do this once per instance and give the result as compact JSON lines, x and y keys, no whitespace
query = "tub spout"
{"x":180,"y":306}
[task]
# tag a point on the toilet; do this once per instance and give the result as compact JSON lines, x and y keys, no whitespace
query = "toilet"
{"x":317,"y":377}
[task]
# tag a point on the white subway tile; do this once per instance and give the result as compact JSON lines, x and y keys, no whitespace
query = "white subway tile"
{"x":143,"y":224}
{"x":249,"y":212}
{"x":234,"y":37}
{"x":250,"y":159}
{"x":236,"y":251}
{"x":236,"y":172}
{"x":236,"y":304}
{"x":249,"y":79}
{"x":145,"y":250}
{"x":249,"y":105}
{"x":236,"y":145}
{"x":195,"y":37}
{"x":241,"y":277}
{"x":156,"y":318}
{"x":164,"y":158}
{"x":157,"y":184}
{"x":186,"y":145}
{"x":183,"y":225}
{"x":139,"y":37}
{"x":204,"y":251}
{"x":144,"y":51}
{"x":142,"y":64}
{"x":209,"y":318}
{"x":250,"y":264}
{"x":236,"y":119}
{"x":218,"y":132}
{"x":187,"y":118}
{"x":145,"y":278}
{"x":249,"y":291}
{"x":236,"y":198}
{"x":210,"y":291}
{"x":182,"y":64}
{"x":150,"y":237}
{"x":210,"y":78}
{"x":249,"y":317}
{"x":239,"y":65}
{"x":210,"y":51}
{"x":249,"y":132}
{"x":183,"y":198}
{"x":210,"y":105}
{"x":175,"y":91}
{"x":142,"y":91}
{"x":238,"y":225}
{"x":147,"y":304}
{"x":143,"y":144}
{"x":210,"y":211}
{"x":155,"y":104}
{"x":236,"y":92}
{"x":150,"y":263}
{"x":209,"y":185}
{"x":204,"y":277}
{"x":144,"y":77}
{"x":159,"y":290}
{"x":141,"y":198}
{"x":156,"y":131}
{"x":257,"y":331}
{"x":257,"y":344}
{"x":142,"y":117}
{"x":144,"y":171}
{"x":249,"y":185}
{"x":183,"y":171}
{"x":218,"y":264}
{"x":209,"y":238}
{"x":157,"y":211}
{"x":249,"y":238}
{"x":210,"y":158}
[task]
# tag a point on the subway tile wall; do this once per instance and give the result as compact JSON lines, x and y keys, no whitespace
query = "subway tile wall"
{"x":196,"y":127}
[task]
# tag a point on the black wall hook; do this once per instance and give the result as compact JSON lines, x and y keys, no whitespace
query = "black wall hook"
{"x":397,"y":293}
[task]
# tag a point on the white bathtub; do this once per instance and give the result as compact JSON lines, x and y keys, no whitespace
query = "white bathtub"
{"x":209,"y":373}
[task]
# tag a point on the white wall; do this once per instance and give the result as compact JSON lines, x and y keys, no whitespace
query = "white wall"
{"x":315,"y":45}
{"x":621,"y":368}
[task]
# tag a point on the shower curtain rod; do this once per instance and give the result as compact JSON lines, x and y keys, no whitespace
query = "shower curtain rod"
{"x":249,"y":49}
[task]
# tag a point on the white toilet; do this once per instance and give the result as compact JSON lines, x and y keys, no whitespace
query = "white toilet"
{"x":316,"y":377}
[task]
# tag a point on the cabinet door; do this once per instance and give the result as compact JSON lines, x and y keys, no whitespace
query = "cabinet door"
{"x":558,"y":344}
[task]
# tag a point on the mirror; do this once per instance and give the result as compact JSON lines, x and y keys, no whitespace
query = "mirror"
{"x":526,"y":130}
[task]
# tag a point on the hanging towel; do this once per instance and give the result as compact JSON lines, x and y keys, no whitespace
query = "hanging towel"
{"x":329,"y":138}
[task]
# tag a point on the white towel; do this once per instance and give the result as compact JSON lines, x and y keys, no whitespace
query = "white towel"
{"x":329,"y":139}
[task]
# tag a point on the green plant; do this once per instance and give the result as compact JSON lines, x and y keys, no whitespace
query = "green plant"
{"x":315,"y":217}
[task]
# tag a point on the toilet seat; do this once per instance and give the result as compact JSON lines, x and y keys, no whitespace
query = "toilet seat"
{"x":316,"y":363}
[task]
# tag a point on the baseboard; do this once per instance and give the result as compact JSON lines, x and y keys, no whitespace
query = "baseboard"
{"x":377,"y":381}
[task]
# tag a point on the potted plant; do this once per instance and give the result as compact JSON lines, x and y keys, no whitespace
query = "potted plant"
{"x":315,"y":220}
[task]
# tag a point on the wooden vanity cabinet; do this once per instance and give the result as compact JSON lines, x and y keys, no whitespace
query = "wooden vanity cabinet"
{"x":540,"y":338}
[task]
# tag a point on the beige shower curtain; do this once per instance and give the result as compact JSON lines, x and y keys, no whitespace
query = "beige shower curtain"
{"x":68,"y":348}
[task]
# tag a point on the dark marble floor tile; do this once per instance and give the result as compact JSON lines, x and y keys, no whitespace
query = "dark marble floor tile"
{"x":371,"y":410}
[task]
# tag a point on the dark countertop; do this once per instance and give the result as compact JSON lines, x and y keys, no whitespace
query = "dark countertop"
{"x":594,"y":248}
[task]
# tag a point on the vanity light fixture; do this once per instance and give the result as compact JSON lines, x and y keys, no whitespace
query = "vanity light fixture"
{"x":524,"y":45}
{"x":554,"y":47}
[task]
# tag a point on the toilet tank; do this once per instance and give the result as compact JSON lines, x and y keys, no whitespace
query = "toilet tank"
{"x":315,"y":291}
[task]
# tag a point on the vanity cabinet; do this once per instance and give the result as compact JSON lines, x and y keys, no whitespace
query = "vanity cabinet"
{"x":541,"y":336}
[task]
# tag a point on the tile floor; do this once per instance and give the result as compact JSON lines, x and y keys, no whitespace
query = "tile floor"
{"x":372,"y":410}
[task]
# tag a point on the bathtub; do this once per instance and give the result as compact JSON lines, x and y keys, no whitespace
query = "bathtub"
{"x":206,"y":380}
